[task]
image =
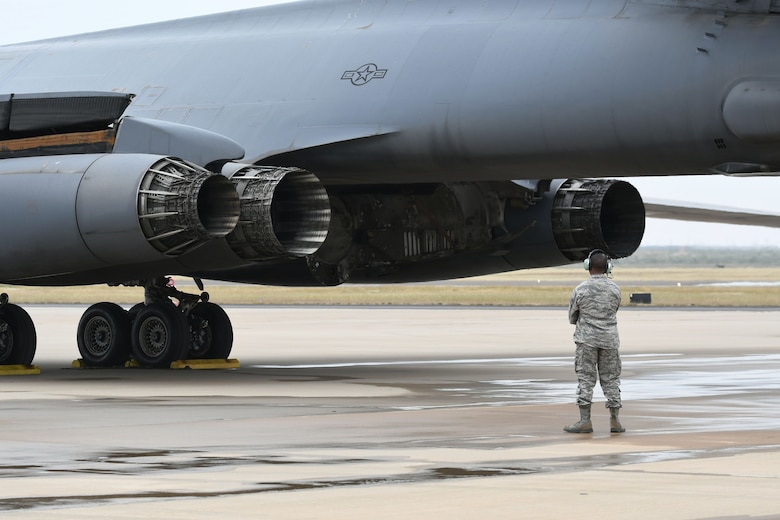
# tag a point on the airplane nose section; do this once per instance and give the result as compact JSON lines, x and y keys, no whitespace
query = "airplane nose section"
{"x":752,"y":111}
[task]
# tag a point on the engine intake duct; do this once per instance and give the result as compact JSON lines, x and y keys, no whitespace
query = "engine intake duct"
{"x":285,"y":212}
{"x":181,"y":205}
{"x":597,"y":214}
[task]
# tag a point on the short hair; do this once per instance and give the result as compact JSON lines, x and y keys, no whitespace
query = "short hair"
{"x":598,"y":261}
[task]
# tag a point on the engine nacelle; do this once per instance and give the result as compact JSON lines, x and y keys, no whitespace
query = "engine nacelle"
{"x":403,"y":233}
{"x":573,"y":217}
{"x":84,"y":212}
{"x":470,"y":229}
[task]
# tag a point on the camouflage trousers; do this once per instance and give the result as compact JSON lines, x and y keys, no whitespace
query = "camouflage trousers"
{"x":604,"y":364}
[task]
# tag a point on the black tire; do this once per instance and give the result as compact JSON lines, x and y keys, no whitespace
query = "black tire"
{"x":211,"y":333}
{"x":18,"y":339}
{"x":159,"y":335}
{"x":133,"y":312}
{"x":103,"y":335}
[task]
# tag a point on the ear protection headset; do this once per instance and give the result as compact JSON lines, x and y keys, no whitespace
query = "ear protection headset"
{"x":586,"y":264}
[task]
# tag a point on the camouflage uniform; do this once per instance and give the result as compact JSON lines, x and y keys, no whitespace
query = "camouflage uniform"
{"x":592,"y":308}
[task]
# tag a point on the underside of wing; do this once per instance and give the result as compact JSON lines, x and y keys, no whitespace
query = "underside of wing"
{"x":692,"y":212}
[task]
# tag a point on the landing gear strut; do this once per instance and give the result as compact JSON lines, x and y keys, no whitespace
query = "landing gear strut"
{"x":157,"y":332}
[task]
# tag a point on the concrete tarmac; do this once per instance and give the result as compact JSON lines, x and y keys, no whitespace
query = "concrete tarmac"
{"x":389,"y":413}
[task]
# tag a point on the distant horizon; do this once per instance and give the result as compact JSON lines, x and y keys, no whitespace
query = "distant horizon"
{"x":703,"y":256}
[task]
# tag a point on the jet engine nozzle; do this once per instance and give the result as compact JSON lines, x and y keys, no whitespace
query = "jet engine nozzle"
{"x":285,"y":212}
{"x":602,"y":214}
{"x":181,"y":205}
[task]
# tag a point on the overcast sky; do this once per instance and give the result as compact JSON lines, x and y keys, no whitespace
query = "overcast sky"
{"x":37,"y":19}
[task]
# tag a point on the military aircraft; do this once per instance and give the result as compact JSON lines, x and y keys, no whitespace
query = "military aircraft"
{"x":332,"y":141}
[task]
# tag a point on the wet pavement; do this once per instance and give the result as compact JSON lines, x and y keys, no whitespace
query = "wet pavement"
{"x":392,"y":412}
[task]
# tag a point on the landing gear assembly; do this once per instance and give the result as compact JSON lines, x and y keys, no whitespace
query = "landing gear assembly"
{"x":169,"y":326}
{"x":157,"y":332}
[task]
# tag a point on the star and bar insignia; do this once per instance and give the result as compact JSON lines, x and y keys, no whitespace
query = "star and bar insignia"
{"x":364,"y":74}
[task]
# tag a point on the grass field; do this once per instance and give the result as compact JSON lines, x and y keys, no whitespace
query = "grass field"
{"x":707,"y":287}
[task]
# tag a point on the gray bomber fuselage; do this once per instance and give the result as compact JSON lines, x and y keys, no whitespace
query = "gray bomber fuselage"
{"x":415,"y":91}
{"x":383,"y":141}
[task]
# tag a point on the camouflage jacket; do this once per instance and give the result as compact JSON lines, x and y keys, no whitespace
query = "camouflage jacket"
{"x":593,"y":307}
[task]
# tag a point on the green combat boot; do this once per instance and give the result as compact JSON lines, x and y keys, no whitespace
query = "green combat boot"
{"x":584,"y":425}
{"x":614,"y":423}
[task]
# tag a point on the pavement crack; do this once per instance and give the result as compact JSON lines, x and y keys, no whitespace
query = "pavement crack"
{"x":434,"y":474}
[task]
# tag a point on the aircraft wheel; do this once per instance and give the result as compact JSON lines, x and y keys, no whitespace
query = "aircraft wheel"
{"x":133,"y":312}
{"x":103,"y":335}
{"x":159,"y":335}
{"x":211,"y":333}
{"x":17,"y":336}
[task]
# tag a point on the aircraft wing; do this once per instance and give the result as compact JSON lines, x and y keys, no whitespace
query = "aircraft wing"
{"x":694,"y":212}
